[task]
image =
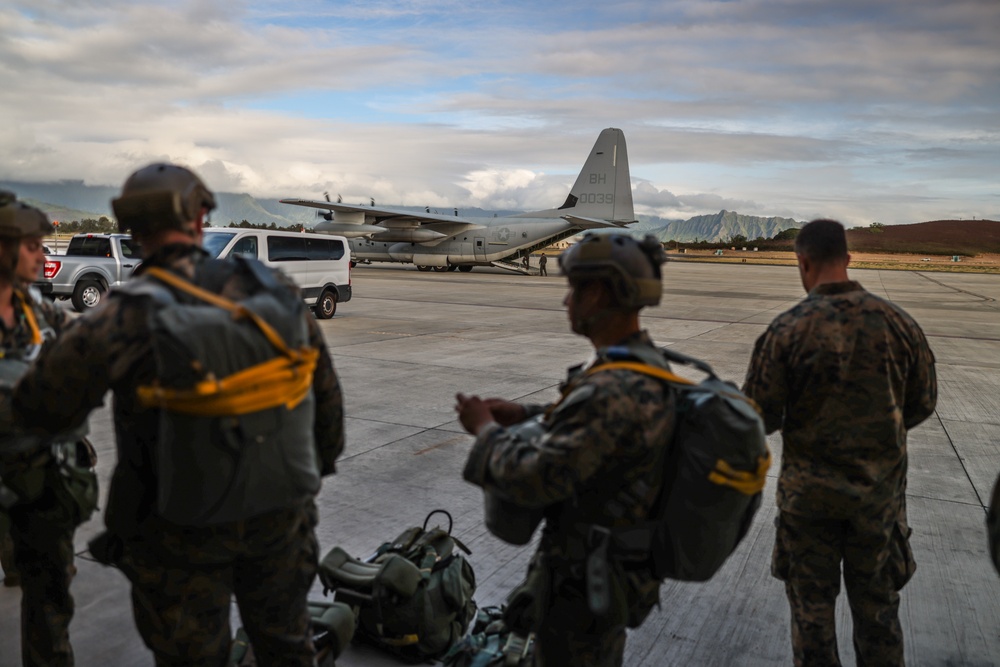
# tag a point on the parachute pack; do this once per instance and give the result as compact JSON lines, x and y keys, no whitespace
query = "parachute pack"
{"x":62,"y":464}
{"x":234,"y":389}
{"x":412,"y":596}
{"x":713,"y":475}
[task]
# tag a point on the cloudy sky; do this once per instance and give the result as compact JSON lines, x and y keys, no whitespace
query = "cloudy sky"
{"x":863,"y":110}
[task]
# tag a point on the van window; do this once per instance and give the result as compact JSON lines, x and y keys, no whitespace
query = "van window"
{"x":286,"y":248}
{"x":246,"y":246}
{"x":320,"y":248}
{"x":214,"y":243}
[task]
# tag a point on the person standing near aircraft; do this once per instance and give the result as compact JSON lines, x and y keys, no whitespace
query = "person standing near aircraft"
{"x":542,"y":261}
{"x":50,"y":484}
{"x":606,"y":434}
{"x":844,"y":375}
{"x":184,"y":556}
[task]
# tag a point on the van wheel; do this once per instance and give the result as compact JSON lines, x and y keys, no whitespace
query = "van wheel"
{"x":465,"y":268}
{"x":87,"y":294}
{"x":326,"y":305}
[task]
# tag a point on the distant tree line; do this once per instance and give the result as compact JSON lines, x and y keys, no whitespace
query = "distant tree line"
{"x":246,"y":224}
{"x":103,"y":225}
{"x":782,"y":239}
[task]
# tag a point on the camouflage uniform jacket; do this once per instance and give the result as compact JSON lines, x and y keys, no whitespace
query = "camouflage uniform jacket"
{"x":17,"y":342}
{"x":609,"y":430}
{"x":844,"y":375}
{"x":110,"y":348}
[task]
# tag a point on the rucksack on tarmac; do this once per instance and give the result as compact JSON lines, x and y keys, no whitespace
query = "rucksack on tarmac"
{"x":490,"y":643}
{"x":412,"y":596}
{"x":234,"y":388}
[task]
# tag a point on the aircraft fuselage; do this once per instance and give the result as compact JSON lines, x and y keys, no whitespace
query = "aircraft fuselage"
{"x":498,"y":239}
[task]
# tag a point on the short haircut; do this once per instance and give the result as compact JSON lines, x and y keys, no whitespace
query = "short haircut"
{"x":822,"y":241}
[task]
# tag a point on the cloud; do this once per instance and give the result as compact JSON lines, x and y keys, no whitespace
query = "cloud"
{"x":771,"y":107}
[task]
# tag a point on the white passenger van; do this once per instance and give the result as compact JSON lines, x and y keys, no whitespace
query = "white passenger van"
{"x":319,"y":263}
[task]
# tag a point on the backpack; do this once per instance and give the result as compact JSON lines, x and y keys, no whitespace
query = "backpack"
{"x":713,"y":474}
{"x":63,"y":464}
{"x":413,"y":596}
{"x":491,"y":643}
{"x":234,"y":389}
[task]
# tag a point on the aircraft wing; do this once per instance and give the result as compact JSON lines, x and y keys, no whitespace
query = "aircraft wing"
{"x":375,"y":215}
{"x":595,"y":223}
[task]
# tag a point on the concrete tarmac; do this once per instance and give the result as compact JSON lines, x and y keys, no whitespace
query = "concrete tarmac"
{"x":409,"y":341}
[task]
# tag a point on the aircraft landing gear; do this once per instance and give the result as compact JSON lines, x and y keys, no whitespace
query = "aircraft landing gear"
{"x":465,"y":268}
{"x":440,"y":269}
{"x":452,"y":267}
{"x":423,"y":268}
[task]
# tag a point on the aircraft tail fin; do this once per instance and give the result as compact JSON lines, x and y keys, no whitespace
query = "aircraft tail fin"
{"x":603,"y":189}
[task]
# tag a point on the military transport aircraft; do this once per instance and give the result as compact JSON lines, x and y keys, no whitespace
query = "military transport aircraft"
{"x":601,"y":198}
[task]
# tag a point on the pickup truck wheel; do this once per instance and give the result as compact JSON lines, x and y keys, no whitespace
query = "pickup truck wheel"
{"x":87,"y":294}
{"x":326,"y":305}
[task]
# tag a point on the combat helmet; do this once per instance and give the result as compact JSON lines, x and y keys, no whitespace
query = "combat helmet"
{"x":161,"y":196}
{"x":18,"y":219}
{"x":630,"y":268}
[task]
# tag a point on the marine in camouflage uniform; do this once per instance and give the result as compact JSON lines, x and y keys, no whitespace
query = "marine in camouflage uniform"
{"x":608,"y":433}
{"x":41,"y":524}
{"x":183,"y":577}
{"x":844,"y":375}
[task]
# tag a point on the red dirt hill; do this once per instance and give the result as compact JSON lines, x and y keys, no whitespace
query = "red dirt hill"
{"x":937,"y":237}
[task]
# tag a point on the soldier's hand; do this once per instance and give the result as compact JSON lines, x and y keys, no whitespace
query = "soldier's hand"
{"x":473,"y":413}
{"x":506,"y":413}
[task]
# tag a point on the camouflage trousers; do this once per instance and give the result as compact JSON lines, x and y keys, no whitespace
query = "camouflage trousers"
{"x":566,"y":631}
{"x":183,"y":580}
{"x":43,"y":557}
{"x":569,"y":634}
{"x":877,"y":563}
{"x":7,"y":558}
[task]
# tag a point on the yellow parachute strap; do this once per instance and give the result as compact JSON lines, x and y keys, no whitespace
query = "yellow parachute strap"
{"x":747,"y":483}
{"x":29,"y":317}
{"x":638,"y":367}
{"x":405,"y":640}
{"x":664,"y":374}
{"x":284,"y":380}
{"x":237,"y":310}
{"x":280,"y":381}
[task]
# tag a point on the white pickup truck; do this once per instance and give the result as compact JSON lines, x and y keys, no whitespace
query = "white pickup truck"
{"x":92,"y":264}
